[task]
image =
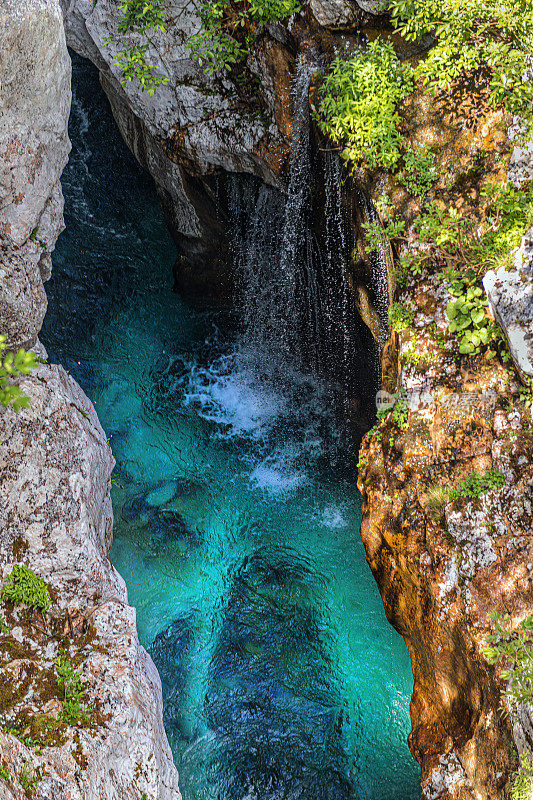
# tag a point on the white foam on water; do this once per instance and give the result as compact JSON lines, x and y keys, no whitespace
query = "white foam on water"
{"x":278,"y":474}
{"x":279,"y":416}
{"x":333,"y":517}
{"x":227,"y":393}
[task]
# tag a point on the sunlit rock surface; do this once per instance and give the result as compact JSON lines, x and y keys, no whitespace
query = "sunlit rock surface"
{"x":56,"y":517}
{"x":442,"y":568}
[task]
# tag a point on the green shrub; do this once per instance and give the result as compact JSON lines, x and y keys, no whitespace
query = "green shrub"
{"x":401,"y":317}
{"x":4,"y":773}
{"x":24,"y":586}
{"x":139,"y":17}
{"x":75,"y":706}
{"x":522,"y":788}
{"x":12,"y":367}
{"x":228,"y":30}
{"x":419,"y":172}
{"x":513,"y":649}
{"x":491,"y":39}
{"x":358,"y":108}
{"x":477,"y":484}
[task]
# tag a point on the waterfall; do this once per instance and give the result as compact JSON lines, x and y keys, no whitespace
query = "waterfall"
{"x":292,"y":255}
{"x":379,"y":276}
{"x":276,"y":251}
{"x":298,"y":273}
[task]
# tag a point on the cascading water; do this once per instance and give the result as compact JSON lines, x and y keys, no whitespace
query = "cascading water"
{"x":379,"y":278}
{"x":275,"y":251}
{"x":238,"y":539}
{"x":296,"y":297}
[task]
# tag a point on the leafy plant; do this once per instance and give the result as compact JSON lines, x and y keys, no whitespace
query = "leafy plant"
{"x":420,"y":358}
{"x":419,"y":172}
{"x":401,"y":316}
{"x":24,"y":586}
{"x":4,"y":773}
{"x":358,"y":108}
{"x":134,"y":66}
{"x":467,"y":314}
{"x":3,"y":627}
{"x":139,"y":17}
{"x":522,"y":788}
{"x":142,"y":15}
{"x":75,"y":706}
{"x":526,"y":394}
{"x":490,"y":39}
{"x":513,"y":649}
{"x":476,"y":484}
{"x":12,"y":367}
{"x":400,"y":412}
{"x":229,"y":29}
{"x":375,"y":232}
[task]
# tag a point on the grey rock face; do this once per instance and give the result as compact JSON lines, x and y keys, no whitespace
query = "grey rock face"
{"x":55,"y":467}
{"x":343,"y":13}
{"x":191,"y":129}
{"x":335,"y":13}
{"x":510,"y":296}
{"x":34,"y":146}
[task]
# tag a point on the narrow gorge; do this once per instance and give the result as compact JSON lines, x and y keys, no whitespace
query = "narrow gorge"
{"x":231,"y":233}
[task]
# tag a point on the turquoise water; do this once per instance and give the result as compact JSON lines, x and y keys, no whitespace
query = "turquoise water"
{"x":236,"y":513}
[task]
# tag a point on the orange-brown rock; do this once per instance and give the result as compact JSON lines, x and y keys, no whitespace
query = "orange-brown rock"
{"x":441,"y":566}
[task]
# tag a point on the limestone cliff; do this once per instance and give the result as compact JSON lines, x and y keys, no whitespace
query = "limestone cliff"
{"x":443,"y":564}
{"x":55,"y":467}
{"x":197,"y":129}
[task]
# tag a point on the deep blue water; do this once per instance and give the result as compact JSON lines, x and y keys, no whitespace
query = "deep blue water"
{"x":236,"y":513}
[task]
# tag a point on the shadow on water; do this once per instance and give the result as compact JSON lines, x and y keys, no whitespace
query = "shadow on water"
{"x":236,"y":515}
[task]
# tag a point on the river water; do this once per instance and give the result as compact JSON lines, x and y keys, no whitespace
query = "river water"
{"x":236,"y":513}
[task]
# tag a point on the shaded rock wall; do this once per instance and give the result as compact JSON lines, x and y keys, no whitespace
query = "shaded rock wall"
{"x":198,"y":129}
{"x":193,"y":128}
{"x":55,"y":467}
